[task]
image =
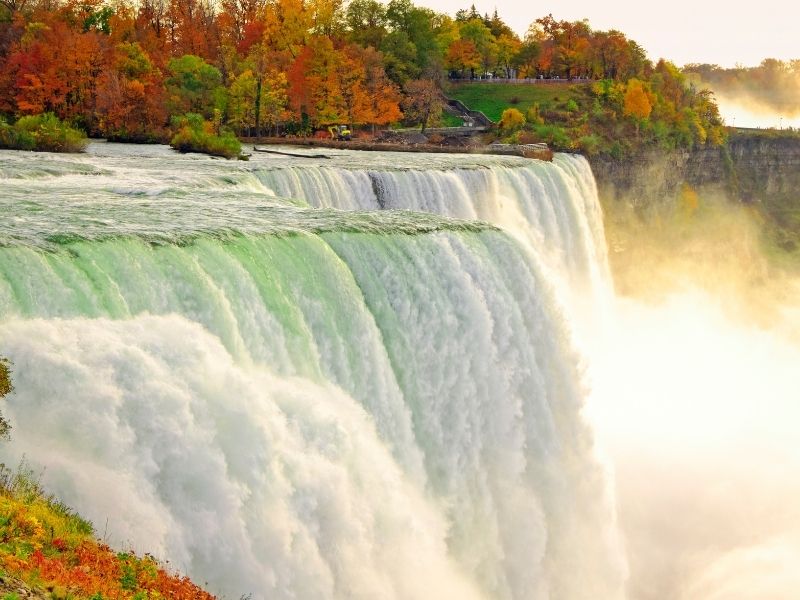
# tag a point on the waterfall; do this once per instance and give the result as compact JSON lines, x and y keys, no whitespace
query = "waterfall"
{"x":292,"y":400}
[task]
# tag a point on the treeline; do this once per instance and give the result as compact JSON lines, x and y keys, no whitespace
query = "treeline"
{"x":773,"y":85}
{"x":134,"y":69}
{"x":486,"y":46}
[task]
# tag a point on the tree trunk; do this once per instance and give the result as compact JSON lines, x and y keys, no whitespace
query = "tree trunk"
{"x":258,"y":107}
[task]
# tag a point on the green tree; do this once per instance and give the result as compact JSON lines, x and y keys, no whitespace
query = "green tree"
{"x":476,"y":31}
{"x":193,"y":86}
{"x":366,"y":22}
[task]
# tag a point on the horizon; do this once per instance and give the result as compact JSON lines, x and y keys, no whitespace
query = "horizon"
{"x":736,"y":39}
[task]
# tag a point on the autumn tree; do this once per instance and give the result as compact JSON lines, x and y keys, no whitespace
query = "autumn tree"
{"x":637,"y":103}
{"x":511,"y":120}
{"x":508,"y":46}
{"x":476,"y":32}
{"x":462,"y":54}
{"x":423,"y":103}
{"x":130,"y":98}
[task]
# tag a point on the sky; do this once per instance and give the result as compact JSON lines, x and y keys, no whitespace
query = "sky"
{"x":683,"y":31}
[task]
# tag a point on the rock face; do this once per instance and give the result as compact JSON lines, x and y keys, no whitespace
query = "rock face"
{"x":751,"y":168}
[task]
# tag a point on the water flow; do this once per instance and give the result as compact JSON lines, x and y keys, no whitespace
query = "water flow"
{"x":304,"y":403}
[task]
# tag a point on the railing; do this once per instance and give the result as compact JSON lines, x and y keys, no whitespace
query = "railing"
{"x":476,"y":115}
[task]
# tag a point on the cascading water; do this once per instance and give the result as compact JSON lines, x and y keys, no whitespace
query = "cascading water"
{"x":295,"y":401}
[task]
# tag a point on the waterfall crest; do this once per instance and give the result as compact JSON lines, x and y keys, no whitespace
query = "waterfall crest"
{"x":292,"y":401}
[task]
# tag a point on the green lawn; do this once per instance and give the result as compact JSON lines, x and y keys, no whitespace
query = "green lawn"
{"x":493,"y":98}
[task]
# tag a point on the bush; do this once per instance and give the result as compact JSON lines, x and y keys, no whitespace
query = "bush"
{"x":511,"y":120}
{"x":5,"y":388}
{"x":555,"y":136}
{"x":590,"y":144}
{"x":194,"y":134}
{"x":533,"y":116}
{"x":43,"y":133}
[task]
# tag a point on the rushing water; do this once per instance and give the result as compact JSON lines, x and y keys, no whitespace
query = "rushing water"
{"x":313,"y":378}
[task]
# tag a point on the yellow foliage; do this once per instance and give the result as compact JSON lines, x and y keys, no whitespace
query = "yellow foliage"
{"x":511,"y":119}
{"x":636,"y":101}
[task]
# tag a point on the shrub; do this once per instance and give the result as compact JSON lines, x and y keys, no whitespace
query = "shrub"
{"x":590,"y":144}
{"x":44,"y":133}
{"x":554,"y":135}
{"x":511,"y":120}
{"x":572,"y":106}
{"x":5,"y":388}
{"x":533,"y":115}
{"x":194,"y":134}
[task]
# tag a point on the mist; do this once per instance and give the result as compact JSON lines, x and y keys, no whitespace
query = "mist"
{"x":745,"y":111}
{"x":695,"y":402}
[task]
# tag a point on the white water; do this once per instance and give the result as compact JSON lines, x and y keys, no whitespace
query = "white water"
{"x":298,"y":402}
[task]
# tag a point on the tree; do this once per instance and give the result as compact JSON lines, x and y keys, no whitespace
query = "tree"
{"x":636,"y":103}
{"x":508,"y":46}
{"x":193,"y":86}
{"x":366,"y":22}
{"x":423,"y":103}
{"x":476,"y":31}
{"x":526,"y":60}
{"x":130,"y":97}
{"x":461,"y":55}
{"x":511,"y":120}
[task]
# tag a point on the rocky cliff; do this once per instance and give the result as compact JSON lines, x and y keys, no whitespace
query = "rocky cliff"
{"x":751,"y":167}
{"x":758,"y":168}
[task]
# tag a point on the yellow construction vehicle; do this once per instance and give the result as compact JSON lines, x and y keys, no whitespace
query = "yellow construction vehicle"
{"x":340,"y":133}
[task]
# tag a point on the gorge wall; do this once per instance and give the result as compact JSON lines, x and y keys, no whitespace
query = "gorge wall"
{"x":753,"y":167}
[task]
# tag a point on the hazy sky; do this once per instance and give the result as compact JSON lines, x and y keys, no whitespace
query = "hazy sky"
{"x":681,"y":30}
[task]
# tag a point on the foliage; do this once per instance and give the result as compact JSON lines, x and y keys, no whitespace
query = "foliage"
{"x":194,"y":134}
{"x":423,"y":103}
{"x":511,"y":120}
{"x":607,"y":116}
{"x":193,"y":86}
{"x":45,"y":133}
{"x":45,"y":544}
{"x":6,"y":387}
{"x":125,"y":69}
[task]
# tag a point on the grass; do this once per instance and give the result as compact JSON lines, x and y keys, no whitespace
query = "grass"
{"x":52,"y":551}
{"x":449,"y":120}
{"x":47,"y":546}
{"x":493,"y":98}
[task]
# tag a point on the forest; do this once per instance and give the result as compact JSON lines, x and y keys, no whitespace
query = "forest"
{"x":133,"y":70}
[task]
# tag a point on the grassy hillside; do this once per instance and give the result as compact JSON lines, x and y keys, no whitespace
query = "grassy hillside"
{"x":493,"y":98}
{"x":609,"y":117}
{"x":47,"y":551}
